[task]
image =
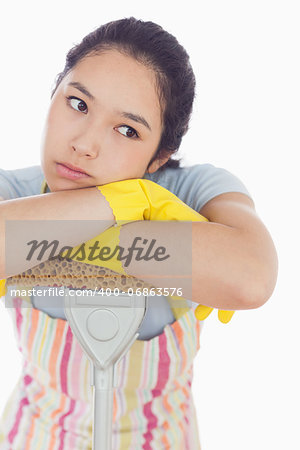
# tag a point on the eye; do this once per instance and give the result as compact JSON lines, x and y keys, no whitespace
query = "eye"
{"x":127,"y":131}
{"x":77,"y":104}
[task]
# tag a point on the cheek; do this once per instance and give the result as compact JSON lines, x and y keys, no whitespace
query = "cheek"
{"x":54,"y":114}
{"x":124,"y":165}
{"x":56,"y":131}
{"x":56,"y":121}
{"x":133,"y":157}
{"x":50,"y":140}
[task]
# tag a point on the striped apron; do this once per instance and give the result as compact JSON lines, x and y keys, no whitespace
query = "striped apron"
{"x":51,"y":405}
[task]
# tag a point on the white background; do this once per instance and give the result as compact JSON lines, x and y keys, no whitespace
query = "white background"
{"x":245,"y":56}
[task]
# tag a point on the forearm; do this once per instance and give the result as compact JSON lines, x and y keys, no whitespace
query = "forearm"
{"x":82,"y":214}
{"x":214,"y":264}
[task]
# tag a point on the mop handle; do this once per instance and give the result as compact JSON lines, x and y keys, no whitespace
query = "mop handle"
{"x":103,"y":395}
{"x":105,"y":327}
{"x":104,"y":381}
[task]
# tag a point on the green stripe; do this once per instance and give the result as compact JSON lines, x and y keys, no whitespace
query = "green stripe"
{"x":38,"y":336}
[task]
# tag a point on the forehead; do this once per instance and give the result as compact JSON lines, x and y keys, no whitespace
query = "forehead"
{"x":118,"y":81}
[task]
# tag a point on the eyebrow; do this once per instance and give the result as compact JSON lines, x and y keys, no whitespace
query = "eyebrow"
{"x":136,"y":118}
{"x":128,"y":115}
{"x":82,"y":89}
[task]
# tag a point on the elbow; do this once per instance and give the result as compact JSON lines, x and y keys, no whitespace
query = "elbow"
{"x":254,"y":298}
{"x":260,"y":287}
{"x":258,"y":279}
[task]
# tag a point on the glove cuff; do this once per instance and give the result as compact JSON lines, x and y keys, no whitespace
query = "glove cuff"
{"x":126,"y":199}
{"x":139,"y":199}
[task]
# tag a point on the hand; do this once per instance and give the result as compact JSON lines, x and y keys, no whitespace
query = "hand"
{"x":132,"y":200}
{"x":107,"y":241}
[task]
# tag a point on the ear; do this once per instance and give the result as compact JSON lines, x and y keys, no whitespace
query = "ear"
{"x":155,"y":165}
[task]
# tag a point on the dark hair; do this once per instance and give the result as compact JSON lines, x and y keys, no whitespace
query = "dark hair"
{"x":151,"y":45}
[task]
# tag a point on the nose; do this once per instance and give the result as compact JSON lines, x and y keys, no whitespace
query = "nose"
{"x":87,"y":143}
{"x":81,"y":151}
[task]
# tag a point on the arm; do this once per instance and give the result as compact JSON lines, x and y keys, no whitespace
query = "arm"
{"x":241,"y":276}
{"x":72,"y":205}
{"x":234,"y":262}
{"x":250,"y":248}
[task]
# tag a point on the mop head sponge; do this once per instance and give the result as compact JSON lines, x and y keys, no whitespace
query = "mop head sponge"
{"x":61,"y":271}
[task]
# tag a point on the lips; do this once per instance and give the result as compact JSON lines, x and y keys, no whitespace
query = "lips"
{"x":77,"y":169}
{"x":70,"y":172}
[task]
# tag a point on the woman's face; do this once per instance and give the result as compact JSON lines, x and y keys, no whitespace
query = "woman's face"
{"x":105,"y":121}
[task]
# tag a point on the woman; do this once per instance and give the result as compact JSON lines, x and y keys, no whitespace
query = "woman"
{"x":119,"y":111}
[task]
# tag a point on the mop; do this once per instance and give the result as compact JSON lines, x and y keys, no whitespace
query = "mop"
{"x":105,"y":326}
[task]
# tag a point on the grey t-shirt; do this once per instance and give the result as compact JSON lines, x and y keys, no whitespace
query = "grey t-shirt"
{"x":194,"y":185}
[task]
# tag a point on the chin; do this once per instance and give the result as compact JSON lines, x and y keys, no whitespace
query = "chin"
{"x":66,"y":185}
{"x":60,"y":185}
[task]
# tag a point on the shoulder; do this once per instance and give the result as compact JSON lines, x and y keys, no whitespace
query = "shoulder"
{"x":198,"y":184}
{"x":20,"y":182}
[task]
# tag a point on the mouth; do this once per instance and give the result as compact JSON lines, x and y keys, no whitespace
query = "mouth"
{"x":76,"y":169}
{"x":72,"y":172}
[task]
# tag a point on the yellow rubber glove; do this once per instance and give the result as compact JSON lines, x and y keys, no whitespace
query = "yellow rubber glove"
{"x":202,"y":312}
{"x":110,"y":239}
{"x":2,"y":288}
{"x":132,"y":200}
{"x":145,"y":200}
{"x":139,"y":199}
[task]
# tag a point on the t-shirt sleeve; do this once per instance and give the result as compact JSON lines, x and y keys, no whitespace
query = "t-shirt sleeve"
{"x":196,"y":185}
{"x":20,"y":182}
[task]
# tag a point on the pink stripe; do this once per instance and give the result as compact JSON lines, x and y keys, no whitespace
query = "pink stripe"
{"x":65,"y":361}
{"x":163,"y":375}
{"x":14,"y":430}
{"x":23,"y":402}
{"x":19,"y":319}
{"x":145,"y":366}
{"x":75,"y":419}
{"x":77,"y":362}
{"x":27,"y":380}
{"x":61,"y":423}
